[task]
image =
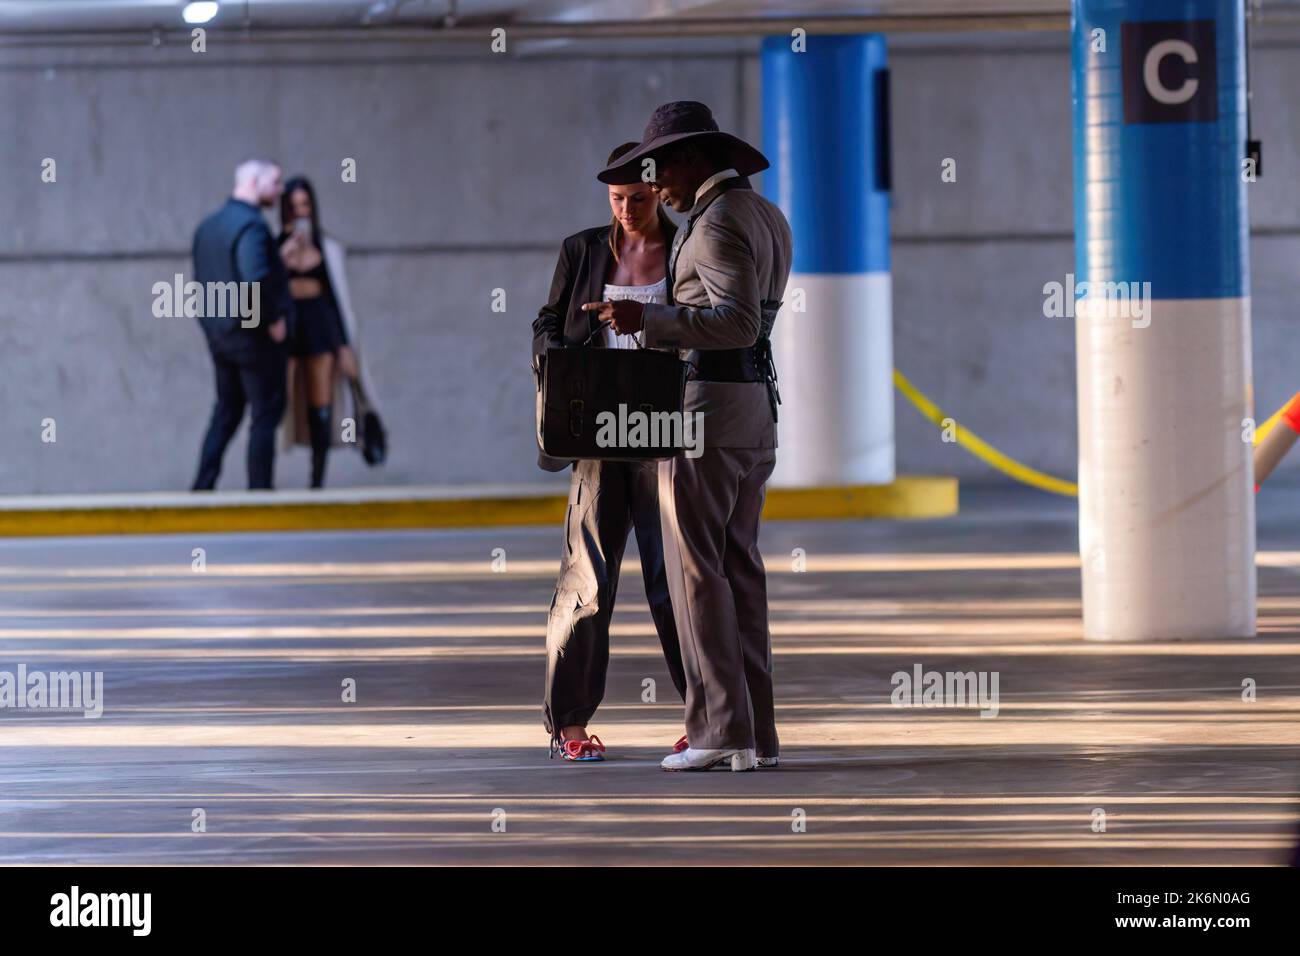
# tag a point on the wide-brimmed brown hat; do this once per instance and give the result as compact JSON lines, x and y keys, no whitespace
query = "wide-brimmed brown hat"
{"x":672,"y":123}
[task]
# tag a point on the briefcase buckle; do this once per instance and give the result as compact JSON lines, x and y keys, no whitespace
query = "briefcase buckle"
{"x":575,"y":417}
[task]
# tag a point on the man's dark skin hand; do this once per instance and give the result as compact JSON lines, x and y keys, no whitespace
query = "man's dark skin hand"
{"x":624,"y":315}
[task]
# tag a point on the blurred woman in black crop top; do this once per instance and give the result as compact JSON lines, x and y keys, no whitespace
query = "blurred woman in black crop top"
{"x":319,"y":339}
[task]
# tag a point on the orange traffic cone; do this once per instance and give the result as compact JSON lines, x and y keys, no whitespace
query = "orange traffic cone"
{"x":1272,"y":448}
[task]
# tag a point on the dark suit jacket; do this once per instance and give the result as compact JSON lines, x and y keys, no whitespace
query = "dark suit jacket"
{"x":234,"y":245}
{"x":580,"y":276}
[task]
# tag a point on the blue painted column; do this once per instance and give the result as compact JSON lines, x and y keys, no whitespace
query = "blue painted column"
{"x":1166,"y":503}
{"x":825,"y":131}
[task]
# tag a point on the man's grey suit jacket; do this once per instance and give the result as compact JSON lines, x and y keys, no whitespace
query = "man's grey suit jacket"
{"x":734,"y":258}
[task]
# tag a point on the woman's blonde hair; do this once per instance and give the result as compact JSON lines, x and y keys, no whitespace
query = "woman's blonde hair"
{"x":616,"y":227}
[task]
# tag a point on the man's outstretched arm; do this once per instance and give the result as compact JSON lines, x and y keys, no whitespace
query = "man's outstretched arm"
{"x":725,"y":264}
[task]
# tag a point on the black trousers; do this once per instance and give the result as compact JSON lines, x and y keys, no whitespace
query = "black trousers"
{"x":256,"y":381}
{"x":606,"y":500}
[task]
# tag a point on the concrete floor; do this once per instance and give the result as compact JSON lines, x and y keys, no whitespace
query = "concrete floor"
{"x":222,"y":692}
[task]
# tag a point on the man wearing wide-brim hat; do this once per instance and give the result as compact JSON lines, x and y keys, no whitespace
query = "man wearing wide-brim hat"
{"x":727,"y":275}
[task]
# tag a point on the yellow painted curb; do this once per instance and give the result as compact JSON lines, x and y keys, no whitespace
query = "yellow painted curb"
{"x":908,"y":497}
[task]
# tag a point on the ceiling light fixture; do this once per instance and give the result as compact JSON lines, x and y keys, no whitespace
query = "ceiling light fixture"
{"x":200,"y":12}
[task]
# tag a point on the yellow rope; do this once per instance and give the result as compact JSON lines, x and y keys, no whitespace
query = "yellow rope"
{"x":980,"y":448}
{"x":1005,"y":463}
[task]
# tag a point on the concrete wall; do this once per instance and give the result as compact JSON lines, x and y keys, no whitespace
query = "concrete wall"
{"x":471,"y":169}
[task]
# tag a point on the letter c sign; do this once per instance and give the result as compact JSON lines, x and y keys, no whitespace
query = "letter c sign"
{"x":1169,"y":71}
{"x":1151,"y":71}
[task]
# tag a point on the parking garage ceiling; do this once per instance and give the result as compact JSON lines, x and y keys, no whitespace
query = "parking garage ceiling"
{"x":558,"y":18}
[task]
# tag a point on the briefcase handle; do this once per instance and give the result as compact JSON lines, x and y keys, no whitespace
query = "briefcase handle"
{"x":600,"y":326}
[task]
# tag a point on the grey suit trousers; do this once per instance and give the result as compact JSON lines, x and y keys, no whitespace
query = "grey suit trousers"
{"x":711,"y":508}
{"x":606,"y":500}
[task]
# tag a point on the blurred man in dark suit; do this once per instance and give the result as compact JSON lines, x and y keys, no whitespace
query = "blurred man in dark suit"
{"x":234,"y":245}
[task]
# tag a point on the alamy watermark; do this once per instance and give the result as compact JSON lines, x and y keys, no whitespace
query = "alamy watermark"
{"x":53,"y":690}
{"x":1098,"y":300}
{"x":130,"y":910}
{"x":214,"y":300}
{"x":922,"y":688}
{"x":645,"y":428}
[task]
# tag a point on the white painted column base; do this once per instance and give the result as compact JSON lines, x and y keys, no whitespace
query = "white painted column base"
{"x":1166,"y":492}
{"x":835,"y":362}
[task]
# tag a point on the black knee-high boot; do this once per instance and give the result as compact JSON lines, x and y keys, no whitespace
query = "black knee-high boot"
{"x":319,"y":420}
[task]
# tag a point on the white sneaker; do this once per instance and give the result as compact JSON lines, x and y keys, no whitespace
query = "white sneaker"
{"x":769,"y":762}
{"x":692,"y":759}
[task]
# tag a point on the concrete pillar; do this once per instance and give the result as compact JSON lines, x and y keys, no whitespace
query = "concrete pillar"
{"x":1166,"y":509}
{"x":826,"y":133}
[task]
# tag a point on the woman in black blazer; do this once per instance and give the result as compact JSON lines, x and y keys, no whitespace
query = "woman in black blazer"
{"x":627,"y":259}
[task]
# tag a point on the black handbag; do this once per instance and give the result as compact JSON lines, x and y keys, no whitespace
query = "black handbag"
{"x":374,"y":440}
{"x":612,"y":404}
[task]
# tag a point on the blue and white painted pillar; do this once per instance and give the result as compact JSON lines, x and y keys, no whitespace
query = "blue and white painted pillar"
{"x":1166,"y":503}
{"x":826,"y":133}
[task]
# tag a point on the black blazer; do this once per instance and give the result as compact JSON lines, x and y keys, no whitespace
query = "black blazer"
{"x":234,"y":245}
{"x":580,"y":274}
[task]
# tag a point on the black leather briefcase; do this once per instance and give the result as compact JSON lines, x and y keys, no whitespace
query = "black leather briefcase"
{"x":608,"y":404}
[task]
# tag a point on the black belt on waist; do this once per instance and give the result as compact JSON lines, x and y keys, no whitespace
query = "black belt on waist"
{"x":750,"y":364}
{"x":726,"y":365}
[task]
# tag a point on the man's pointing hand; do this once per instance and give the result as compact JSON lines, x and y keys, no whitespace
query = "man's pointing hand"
{"x":624,"y":314}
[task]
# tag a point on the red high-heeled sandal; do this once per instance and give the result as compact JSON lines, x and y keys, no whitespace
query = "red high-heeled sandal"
{"x":586,"y":751}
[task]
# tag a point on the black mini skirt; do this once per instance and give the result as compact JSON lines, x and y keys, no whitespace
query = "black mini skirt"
{"x":317,"y":328}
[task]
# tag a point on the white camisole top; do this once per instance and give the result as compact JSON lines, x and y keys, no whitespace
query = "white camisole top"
{"x":655,"y":293}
